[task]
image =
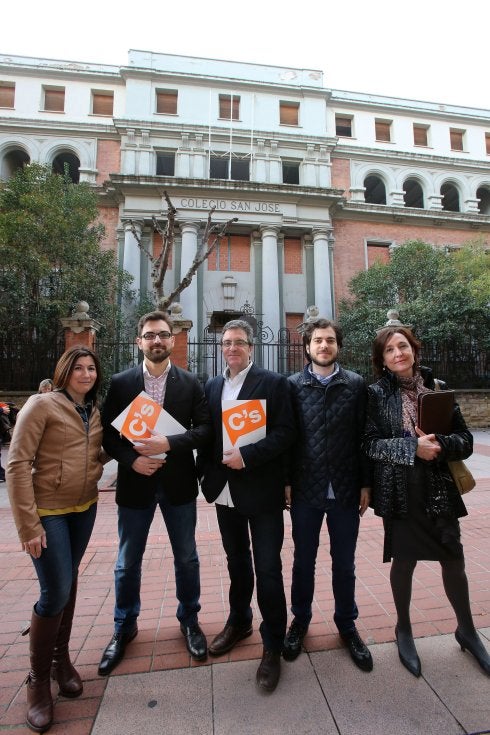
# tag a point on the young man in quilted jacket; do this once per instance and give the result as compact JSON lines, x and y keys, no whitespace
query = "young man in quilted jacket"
{"x":329,"y":479}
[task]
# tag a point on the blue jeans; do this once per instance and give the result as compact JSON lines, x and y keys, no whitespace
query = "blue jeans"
{"x":67,"y":537}
{"x":343,"y":529}
{"x":134,"y":526}
{"x":267,"y":534}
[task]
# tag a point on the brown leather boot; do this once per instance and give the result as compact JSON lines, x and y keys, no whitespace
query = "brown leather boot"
{"x":42,"y":638}
{"x":62,"y":669}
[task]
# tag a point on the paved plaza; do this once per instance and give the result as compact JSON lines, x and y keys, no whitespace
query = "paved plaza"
{"x":159,"y":690}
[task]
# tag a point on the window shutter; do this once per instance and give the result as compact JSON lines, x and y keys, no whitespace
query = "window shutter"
{"x":7,"y":94}
{"x":225,"y":107}
{"x":288,"y":113}
{"x":343,"y":126}
{"x":383,"y":131}
{"x":487,"y":143}
{"x":456,"y":137}
{"x":420,"y":135}
{"x":102,"y":104}
{"x":54,"y":100}
{"x":167,"y":103}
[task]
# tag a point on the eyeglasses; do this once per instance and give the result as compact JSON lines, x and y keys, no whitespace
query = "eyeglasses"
{"x":151,"y":336}
{"x":234,"y":343}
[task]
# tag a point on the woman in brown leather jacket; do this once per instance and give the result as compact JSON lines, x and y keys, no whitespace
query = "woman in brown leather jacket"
{"x":52,"y":473}
{"x":413,"y":489}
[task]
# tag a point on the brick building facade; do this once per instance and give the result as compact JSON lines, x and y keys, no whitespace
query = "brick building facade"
{"x":323,"y":182}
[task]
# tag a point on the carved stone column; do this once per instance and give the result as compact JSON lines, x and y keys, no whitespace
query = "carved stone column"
{"x":188,"y":297}
{"x":270,"y":277}
{"x":322,"y":245}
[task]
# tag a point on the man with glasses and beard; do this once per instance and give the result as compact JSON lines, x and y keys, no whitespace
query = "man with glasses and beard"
{"x":145,"y":482}
{"x":330,"y":478}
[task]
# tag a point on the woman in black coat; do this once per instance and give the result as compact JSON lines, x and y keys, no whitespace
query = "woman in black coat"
{"x":413,"y":490}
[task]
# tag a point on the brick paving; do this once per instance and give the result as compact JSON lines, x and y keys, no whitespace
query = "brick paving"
{"x":160,"y":646}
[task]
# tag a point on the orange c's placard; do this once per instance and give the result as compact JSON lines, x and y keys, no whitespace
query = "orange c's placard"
{"x":142,"y":417}
{"x":243,"y":419}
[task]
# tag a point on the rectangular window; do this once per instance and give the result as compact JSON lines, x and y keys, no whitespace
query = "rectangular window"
{"x":7,"y":94}
{"x":218,"y":168}
{"x":343,"y":126}
{"x":238,"y":171}
{"x":457,"y":139}
{"x":487,"y":143}
{"x":289,"y":113}
{"x":229,"y":107}
{"x":167,"y":101}
{"x":290,"y":172}
{"x":420,"y":135}
{"x":383,"y":130}
{"x":102,"y":103}
{"x":54,"y":99}
{"x":166,"y":164}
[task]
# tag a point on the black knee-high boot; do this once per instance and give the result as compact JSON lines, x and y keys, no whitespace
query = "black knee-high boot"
{"x":456,"y":587}
{"x":401,"y":575}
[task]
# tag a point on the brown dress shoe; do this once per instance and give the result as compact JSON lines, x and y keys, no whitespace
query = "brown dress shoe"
{"x":269,"y":671}
{"x":229,"y":636}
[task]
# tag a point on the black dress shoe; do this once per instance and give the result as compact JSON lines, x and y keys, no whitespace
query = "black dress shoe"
{"x":195,"y":641}
{"x":293,"y":641}
{"x":358,"y":650}
{"x":115,"y":650}
{"x":269,"y":671}
{"x":407,"y":651}
{"x":229,"y":636}
{"x":475,"y":646}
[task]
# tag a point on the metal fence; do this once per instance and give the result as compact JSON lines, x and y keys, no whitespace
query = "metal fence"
{"x":461,"y":363}
{"x":23,"y":363}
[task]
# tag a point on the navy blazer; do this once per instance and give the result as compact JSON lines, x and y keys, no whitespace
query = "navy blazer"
{"x":185,"y":401}
{"x":259,"y":486}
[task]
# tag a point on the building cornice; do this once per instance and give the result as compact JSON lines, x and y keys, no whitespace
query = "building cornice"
{"x":157,"y":185}
{"x":366,"y":153}
{"x":416,"y":108}
{"x":58,"y":127}
{"x":27,"y":66}
{"x":349,"y":210}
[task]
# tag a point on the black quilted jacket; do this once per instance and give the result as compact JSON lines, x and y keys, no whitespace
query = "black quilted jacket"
{"x":394,"y":455}
{"x":331,"y":421}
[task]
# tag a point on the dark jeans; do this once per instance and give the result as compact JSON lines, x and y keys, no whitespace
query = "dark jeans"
{"x":134,"y":526}
{"x":67,"y":537}
{"x":267,"y":534}
{"x":343,"y":528}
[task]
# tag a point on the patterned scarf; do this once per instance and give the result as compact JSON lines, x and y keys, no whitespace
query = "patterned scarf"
{"x":411,"y":388}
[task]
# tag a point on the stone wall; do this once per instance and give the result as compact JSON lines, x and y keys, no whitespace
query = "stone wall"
{"x":475,"y":406}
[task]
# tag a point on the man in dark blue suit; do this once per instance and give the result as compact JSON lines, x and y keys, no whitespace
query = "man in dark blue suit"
{"x":247,"y":484}
{"x":145,"y":482}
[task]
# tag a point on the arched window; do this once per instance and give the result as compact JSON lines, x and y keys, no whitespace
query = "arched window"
{"x":450,"y":198}
{"x":71,"y":161}
{"x":13,"y":160}
{"x":413,"y":195}
{"x":483,"y":194}
{"x":375,"y":191}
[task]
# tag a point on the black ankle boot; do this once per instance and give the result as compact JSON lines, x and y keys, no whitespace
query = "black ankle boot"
{"x":407,"y":651}
{"x":474,"y":645}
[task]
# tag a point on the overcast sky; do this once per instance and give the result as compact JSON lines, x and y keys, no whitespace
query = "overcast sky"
{"x":422,"y":49}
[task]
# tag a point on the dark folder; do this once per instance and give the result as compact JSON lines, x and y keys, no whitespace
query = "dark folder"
{"x":435,"y":414}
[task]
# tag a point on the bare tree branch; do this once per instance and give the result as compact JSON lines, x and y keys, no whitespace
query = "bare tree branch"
{"x":159,"y":265}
